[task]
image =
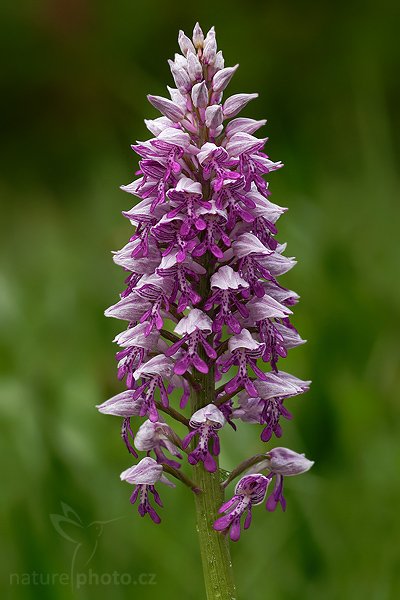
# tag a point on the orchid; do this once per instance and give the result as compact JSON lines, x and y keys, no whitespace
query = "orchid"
{"x":204,"y":304}
{"x":144,"y":476}
{"x":205,"y":423}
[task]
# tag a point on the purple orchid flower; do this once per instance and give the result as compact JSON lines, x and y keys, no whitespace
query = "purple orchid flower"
{"x":249,"y":491}
{"x":282,"y":462}
{"x":152,"y":374}
{"x":243,"y":352}
{"x":205,"y":423}
{"x":136,"y":346}
{"x":228,"y":285}
{"x":268,"y":408}
{"x":156,"y":437}
{"x":194,"y":329}
{"x":252,"y":489}
{"x":144,"y":476}
{"x":123,"y":405}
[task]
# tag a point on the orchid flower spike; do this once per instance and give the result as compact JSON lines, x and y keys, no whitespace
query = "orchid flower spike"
{"x":207,"y":319}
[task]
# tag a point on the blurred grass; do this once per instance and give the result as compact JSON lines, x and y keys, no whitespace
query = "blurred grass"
{"x":73,"y":85}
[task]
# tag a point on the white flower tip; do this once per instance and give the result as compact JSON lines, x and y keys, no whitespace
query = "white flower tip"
{"x":198,"y":36}
{"x":210,"y":413}
{"x":287,"y":462}
{"x":123,"y":475}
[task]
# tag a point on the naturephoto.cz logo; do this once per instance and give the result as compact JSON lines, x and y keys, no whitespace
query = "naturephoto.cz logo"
{"x":82,"y":578}
{"x":84,"y":539}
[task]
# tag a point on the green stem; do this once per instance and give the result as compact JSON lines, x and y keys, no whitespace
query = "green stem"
{"x":214,"y":546}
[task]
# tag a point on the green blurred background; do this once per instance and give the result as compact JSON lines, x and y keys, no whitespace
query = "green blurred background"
{"x":73,"y":87}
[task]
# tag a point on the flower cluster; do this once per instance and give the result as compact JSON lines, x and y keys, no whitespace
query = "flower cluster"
{"x":202,"y":292}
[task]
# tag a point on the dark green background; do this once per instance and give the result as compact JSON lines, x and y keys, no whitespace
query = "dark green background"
{"x":73,"y":83}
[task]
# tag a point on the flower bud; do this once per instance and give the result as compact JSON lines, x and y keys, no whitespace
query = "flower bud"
{"x":198,"y":36}
{"x":200,"y":95}
{"x":243,"y":125}
{"x":181,"y":77}
{"x":210,"y":47}
{"x":222,"y":78}
{"x":219,"y":61}
{"x":166,"y":107}
{"x":214,"y":116}
{"x":194,"y":67}
{"x":185,"y":44}
{"x":233,"y":105}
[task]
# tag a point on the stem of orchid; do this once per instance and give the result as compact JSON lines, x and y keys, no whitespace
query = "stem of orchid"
{"x":214,"y":546}
{"x":222,"y":348}
{"x":182,"y":477}
{"x":227,"y":397}
{"x":172,"y":413}
{"x":168,"y":335}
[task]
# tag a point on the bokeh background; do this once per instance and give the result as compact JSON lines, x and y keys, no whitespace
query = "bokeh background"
{"x":73,"y":83}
